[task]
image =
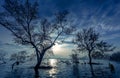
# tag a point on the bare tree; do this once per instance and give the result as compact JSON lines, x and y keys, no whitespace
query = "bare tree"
{"x":101,"y":48}
{"x":104,"y":47}
{"x":88,"y":40}
{"x":20,"y":56}
{"x":75,"y":56}
{"x":22,"y":19}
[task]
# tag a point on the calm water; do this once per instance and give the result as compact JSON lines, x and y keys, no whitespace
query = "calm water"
{"x":65,"y":69}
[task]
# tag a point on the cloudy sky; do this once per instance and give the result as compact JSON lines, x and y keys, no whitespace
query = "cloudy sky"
{"x":103,"y":15}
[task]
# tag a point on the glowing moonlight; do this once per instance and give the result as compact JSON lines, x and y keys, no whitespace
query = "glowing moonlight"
{"x":56,"y":48}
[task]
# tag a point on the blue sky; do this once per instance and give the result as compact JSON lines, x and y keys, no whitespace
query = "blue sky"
{"x":103,"y":15}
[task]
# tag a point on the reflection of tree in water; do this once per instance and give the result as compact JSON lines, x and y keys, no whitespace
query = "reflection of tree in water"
{"x":96,"y":71}
{"x":16,"y":73}
{"x":92,"y":70}
{"x":19,"y":72}
{"x":100,"y":71}
{"x":76,"y":70}
{"x":36,"y":73}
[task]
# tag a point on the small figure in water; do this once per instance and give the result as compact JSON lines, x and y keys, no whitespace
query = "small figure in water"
{"x":112,"y":68}
{"x":16,"y":63}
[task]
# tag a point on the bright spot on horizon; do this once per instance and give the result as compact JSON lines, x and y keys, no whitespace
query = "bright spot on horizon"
{"x":61,"y":50}
{"x":56,"y":48}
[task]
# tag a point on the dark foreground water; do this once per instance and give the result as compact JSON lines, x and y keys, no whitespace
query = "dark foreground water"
{"x":63,"y":69}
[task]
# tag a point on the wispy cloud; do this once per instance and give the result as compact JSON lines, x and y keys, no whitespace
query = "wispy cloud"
{"x":103,"y":15}
{"x":10,"y":48}
{"x":110,"y":37}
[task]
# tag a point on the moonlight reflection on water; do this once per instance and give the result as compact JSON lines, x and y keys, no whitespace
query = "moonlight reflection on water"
{"x":63,"y":70}
{"x":53,"y":72}
{"x":53,"y":62}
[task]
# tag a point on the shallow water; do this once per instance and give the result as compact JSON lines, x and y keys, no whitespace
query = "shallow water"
{"x":62,"y":70}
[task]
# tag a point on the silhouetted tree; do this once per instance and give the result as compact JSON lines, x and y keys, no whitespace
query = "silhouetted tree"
{"x":88,"y":40}
{"x":20,"y":56}
{"x":104,"y":47}
{"x":75,"y":57}
{"x":22,"y":19}
{"x":97,"y":55}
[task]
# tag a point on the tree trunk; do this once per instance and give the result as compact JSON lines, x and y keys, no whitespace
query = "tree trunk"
{"x":90,"y":58}
{"x":40,"y":60}
{"x":92,"y":71}
{"x":36,"y":68}
{"x":38,"y":64}
{"x":90,"y":63}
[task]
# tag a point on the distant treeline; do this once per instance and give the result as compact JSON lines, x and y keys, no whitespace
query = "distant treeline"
{"x":115,"y":57}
